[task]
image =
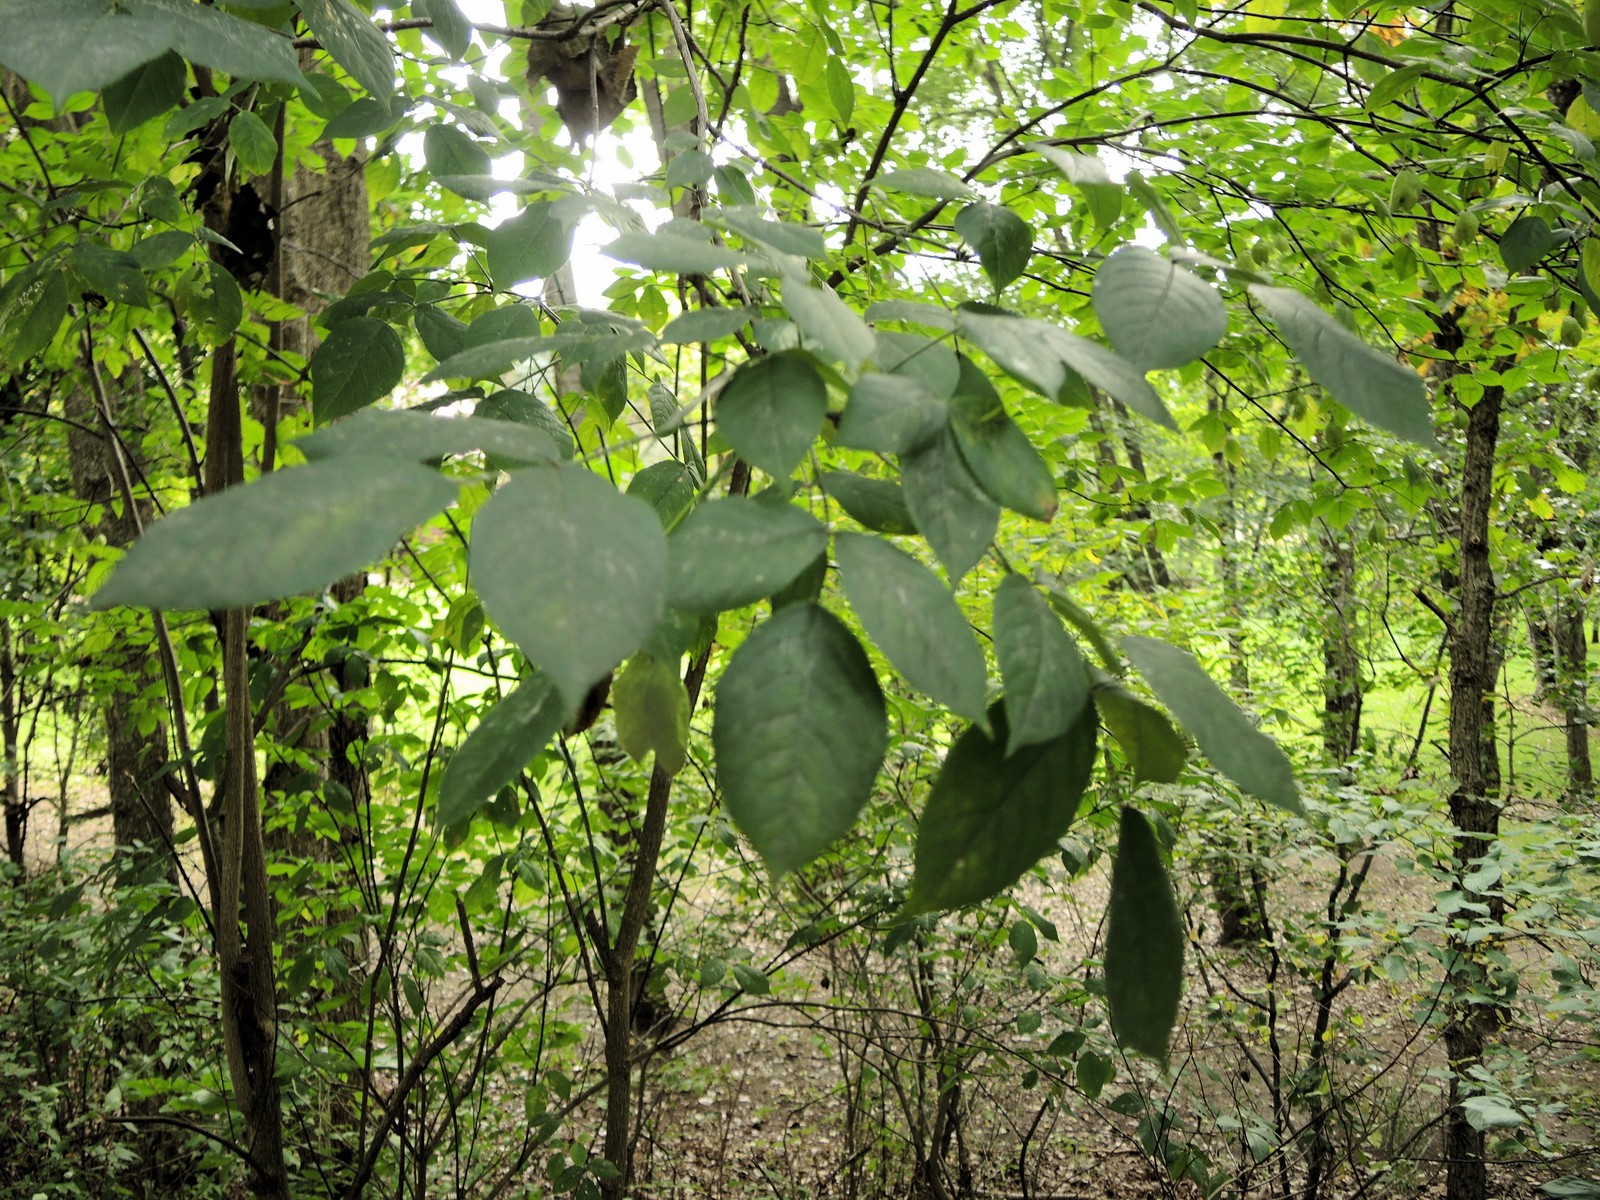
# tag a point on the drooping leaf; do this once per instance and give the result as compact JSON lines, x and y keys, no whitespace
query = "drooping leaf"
{"x":772,"y":410}
{"x":1047,"y":684}
{"x":927,"y":182}
{"x":31,"y":313}
{"x":145,"y":93}
{"x":293,"y":531}
{"x":799,"y":732}
{"x":1233,"y":744}
{"x":251,"y":141}
{"x":990,"y":817}
{"x":828,"y":321}
{"x":1103,"y":195}
{"x":115,"y":274}
{"x":999,"y":455}
{"x":876,"y":503}
{"x":915,"y":621}
{"x":1374,"y":386}
{"x":1525,"y":241}
{"x":890,"y":414}
{"x":1002,"y":239}
{"x":669,"y":488}
{"x":931,"y":363}
{"x":1024,"y":942}
{"x":356,"y":44}
{"x":448,"y":150}
{"x":1144,"y":943}
{"x":502,"y":743}
{"x":673,"y":253}
{"x":519,"y":408}
{"x":573,"y":571}
{"x":450,"y":29}
{"x":652,"y":710}
{"x":362,"y":361}
{"x":442,"y":334}
{"x":83,"y":45}
{"x":531,"y":245}
{"x":420,"y":437}
{"x":786,"y":236}
{"x":1156,"y":314}
{"x":735,"y":551}
{"x":1152,"y":746}
{"x":704,"y":325}
{"x":949,"y":508}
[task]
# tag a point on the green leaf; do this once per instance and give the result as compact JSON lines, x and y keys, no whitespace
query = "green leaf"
{"x":447,"y":150}
{"x":799,"y":732}
{"x":534,"y":244}
{"x":1156,"y":314}
{"x":1491,"y":1112}
{"x":1142,"y":190}
{"x":1041,"y":356}
{"x":990,"y":817}
{"x":949,"y":508}
{"x":1394,"y":85}
{"x":705,"y":325}
{"x":573,"y":571}
{"x":750,"y":980}
{"x":364,"y":117}
{"x":1103,"y":196}
{"x":362,"y":361}
{"x":690,"y":168}
{"x":652,"y":710}
{"x":115,"y":274}
{"x":1525,"y":241}
{"x":1233,"y":744}
{"x":422,"y":437}
{"x":30,"y":316}
{"x":1374,"y":386}
{"x":1002,"y":239}
{"x":669,"y":488}
{"x":1152,"y":746}
{"x":493,"y":359}
{"x":519,"y":408}
{"x":1093,"y":1072}
{"x":875,"y":503}
{"x":145,"y":93}
{"x":999,"y":455}
{"x":841,"y":89}
{"x":451,"y":30}
{"x":442,"y":334}
{"x":84,"y":45}
{"x":785,"y":236}
{"x":1144,"y":943}
{"x":502,"y":744}
{"x":828,"y":321}
{"x":931,"y":363}
{"x":772,"y":410}
{"x":735,"y":551}
{"x":1024,"y":942}
{"x":355,"y":43}
{"x":915,"y":621}
{"x":890,"y":414}
{"x":1046,"y":682}
{"x":293,"y":531}
{"x":924,"y":181}
{"x":672,"y":253}
{"x":252,"y":143}
{"x":161,"y":249}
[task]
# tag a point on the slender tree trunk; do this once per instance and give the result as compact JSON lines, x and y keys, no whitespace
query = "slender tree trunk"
{"x":1572,"y":651}
{"x":1341,"y":664}
{"x":16,"y":811}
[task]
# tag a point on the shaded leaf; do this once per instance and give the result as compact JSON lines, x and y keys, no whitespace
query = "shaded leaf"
{"x":890,"y":414}
{"x":915,"y":621}
{"x":292,"y":531}
{"x":672,"y":253}
{"x":785,"y":236}
{"x":504,"y":741}
{"x":1152,"y":746}
{"x":772,"y":410}
{"x":999,"y":455}
{"x":451,"y":30}
{"x":1046,"y":682}
{"x":1144,"y":943}
{"x":1156,"y":314}
{"x":949,"y":508}
{"x":924,"y":181}
{"x":448,"y":150}
{"x":1233,"y":744}
{"x":355,"y":43}
{"x":735,"y":551}
{"x":145,"y":93}
{"x":534,"y":244}
{"x":573,"y":571}
{"x":704,"y":325}
{"x":652,"y":711}
{"x":990,"y":817}
{"x":421,"y":437}
{"x":828,"y":321}
{"x":875,"y":503}
{"x":362,"y":361}
{"x":1002,"y":239}
{"x":799,"y":732}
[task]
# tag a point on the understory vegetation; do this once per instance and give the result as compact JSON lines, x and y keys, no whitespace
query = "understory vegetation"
{"x":798,"y":599}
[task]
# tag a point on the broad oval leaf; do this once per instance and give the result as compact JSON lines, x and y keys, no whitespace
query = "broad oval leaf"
{"x":829,"y":322}
{"x":652,"y":712}
{"x":573,"y":571}
{"x":1152,"y":746}
{"x":772,"y":410}
{"x":928,"y":182}
{"x":799,"y":733}
{"x":451,"y":29}
{"x":1375,"y":387}
{"x":356,"y":44}
{"x":292,"y":531}
{"x":534,"y":244}
{"x":1144,"y":943}
{"x":1002,"y":239}
{"x":786,"y":236}
{"x":949,"y":508}
{"x":875,"y":503}
{"x":251,"y":140}
{"x":1525,"y":241}
{"x":673,"y":253}
{"x":1233,"y":744}
{"x":1156,"y":314}
{"x":890,"y":414}
{"x":915,"y":621}
{"x":448,"y":150}
{"x":990,"y":817}
{"x":361,"y":362}
{"x":735,"y":551}
{"x":704,"y":325}
{"x":1000,"y":456}
{"x":1046,"y":681}
{"x":145,"y":93}
{"x":503,"y":742}
{"x":420,"y":437}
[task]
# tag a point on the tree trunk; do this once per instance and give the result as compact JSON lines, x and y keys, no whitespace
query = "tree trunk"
{"x":1341,"y":665}
{"x":1572,"y":652}
{"x":16,"y":811}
